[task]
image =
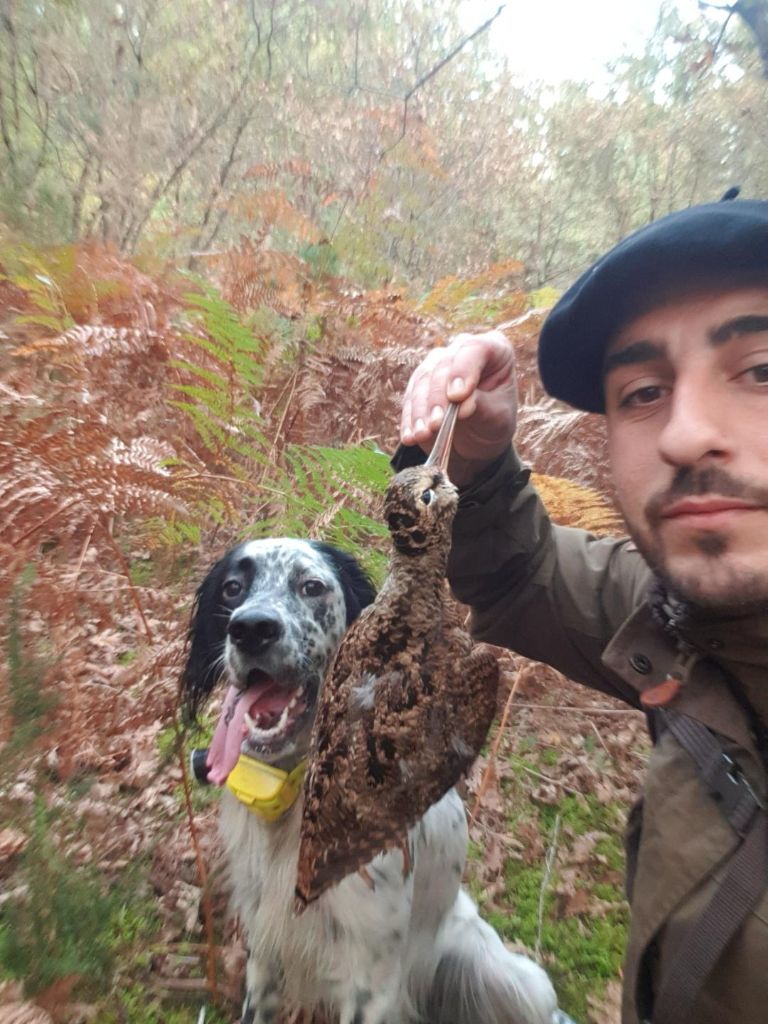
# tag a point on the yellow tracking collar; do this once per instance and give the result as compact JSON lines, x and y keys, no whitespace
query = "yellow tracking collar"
{"x":266,"y":791}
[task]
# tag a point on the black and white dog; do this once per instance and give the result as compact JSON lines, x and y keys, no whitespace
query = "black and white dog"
{"x":410,"y":948}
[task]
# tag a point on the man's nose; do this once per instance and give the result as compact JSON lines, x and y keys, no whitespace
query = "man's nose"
{"x":697,"y":426}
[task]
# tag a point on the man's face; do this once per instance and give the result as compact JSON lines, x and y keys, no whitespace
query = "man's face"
{"x":686,"y":388}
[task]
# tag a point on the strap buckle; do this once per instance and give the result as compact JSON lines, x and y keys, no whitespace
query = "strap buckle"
{"x":730,"y":787}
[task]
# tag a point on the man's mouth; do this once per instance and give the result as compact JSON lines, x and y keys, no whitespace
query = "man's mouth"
{"x":706,"y":510}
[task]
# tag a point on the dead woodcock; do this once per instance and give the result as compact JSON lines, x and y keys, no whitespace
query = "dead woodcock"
{"x":408,"y":701}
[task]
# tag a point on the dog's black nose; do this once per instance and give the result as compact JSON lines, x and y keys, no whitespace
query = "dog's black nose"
{"x":252,"y":630}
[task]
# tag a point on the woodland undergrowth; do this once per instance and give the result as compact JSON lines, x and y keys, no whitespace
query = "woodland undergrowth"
{"x":148,"y":422}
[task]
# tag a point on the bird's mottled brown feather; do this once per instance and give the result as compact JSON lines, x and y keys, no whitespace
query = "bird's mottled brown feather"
{"x":406,"y":705}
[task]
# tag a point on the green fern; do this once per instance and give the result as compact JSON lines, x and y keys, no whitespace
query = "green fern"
{"x":61,"y":926}
{"x":26,"y":669}
{"x":293,"y":490}
{"x":222,"y":388}
{"x":43,"y":294}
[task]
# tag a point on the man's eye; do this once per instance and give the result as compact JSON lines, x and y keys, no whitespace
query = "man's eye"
{"x":312,"y":588}
{"x":642,"y":396}
{"x":232,"y":588}
{"x":759,"y":373}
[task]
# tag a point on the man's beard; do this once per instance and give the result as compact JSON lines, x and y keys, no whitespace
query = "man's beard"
{"x":733,"y":590}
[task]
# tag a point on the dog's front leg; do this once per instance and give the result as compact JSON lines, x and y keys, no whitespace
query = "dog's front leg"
{"x":363,"y":1005}
{"x":263,"y":992}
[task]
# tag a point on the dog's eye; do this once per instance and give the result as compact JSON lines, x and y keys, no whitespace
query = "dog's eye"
{"x":312,"y":588}
{"x":427,"y":497}
{"x":232,"y":588}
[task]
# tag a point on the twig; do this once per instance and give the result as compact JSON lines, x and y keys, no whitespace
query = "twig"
{"x":546,"y":778}
{"x":431,"y":74}
{"x":185,"y":478}
{"x":127,"y":573}
{"x":549,"y":861}
{"x":600,"y":739}
{"x":213,"y":987}
{"x":279,"y":432}
{"x":490,"y":768}
{"x":83,"y":553}
{"x":38,"y":526}
{"x":580,"y":711}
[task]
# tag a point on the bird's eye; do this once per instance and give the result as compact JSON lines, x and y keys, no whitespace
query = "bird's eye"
{"x":427,"y":497}
{"x":312,"y":588}
{"x":232,"y":588}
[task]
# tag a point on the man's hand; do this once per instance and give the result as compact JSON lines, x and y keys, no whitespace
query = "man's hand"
{"x":477,"y":370}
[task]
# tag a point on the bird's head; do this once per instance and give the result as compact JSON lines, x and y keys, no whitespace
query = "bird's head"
{"x":419,"y":508}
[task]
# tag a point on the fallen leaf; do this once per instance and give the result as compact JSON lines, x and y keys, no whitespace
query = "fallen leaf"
{"x":12,"y":842}
{"x":606,"y":1010}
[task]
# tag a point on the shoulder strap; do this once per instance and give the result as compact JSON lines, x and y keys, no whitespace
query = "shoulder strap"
{"x":700,"y":946}
{"x":724,"y":780}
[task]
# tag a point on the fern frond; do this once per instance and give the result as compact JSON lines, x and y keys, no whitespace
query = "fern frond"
{"x":91,"y":341}
{"x":570,"y":504}
{"x":63,"y":473}
{"x":564,"y":442}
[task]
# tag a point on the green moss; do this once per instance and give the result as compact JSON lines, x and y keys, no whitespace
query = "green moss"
{"x":612,"y":848}
{"x":143,"y":572}
{"x":543,"y":298}
{"x":134,"y":1005}
{"x":61,"y":925}
{"x":584,"y":814}
{"x":580,"y":952}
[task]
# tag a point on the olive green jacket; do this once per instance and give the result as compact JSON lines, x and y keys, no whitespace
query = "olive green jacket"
{"x":578,"y":603}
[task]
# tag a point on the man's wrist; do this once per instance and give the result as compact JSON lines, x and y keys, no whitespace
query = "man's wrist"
{"x":467,"y":472}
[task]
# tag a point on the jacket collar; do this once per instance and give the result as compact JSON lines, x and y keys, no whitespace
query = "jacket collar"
{"x":642,"y":653}
{"x":733,"y":641}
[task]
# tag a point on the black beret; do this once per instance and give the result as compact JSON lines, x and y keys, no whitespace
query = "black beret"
{"x":699,"y":245}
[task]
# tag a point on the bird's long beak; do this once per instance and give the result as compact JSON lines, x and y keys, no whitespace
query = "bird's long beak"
{"x":441,"y":450}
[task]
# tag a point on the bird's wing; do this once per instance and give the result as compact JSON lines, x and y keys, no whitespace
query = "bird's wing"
{"x":381,"y":768}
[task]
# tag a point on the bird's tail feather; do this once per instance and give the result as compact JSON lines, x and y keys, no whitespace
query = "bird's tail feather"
{"x":477,"y":978}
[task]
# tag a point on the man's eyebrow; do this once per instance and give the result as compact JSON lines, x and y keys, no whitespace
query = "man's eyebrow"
{"x":637,"y":352}
{"x":750,"y":324}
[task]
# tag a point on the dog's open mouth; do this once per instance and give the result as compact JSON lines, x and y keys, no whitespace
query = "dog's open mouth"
{"x":259,"y":720}
{"x":271,"y":712}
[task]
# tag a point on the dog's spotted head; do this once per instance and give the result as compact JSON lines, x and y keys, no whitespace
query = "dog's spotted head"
{"x":269,"y":617}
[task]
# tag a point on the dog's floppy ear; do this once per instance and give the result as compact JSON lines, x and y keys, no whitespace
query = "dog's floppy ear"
{"x":206,"y":636}
{"x":355,"y":583}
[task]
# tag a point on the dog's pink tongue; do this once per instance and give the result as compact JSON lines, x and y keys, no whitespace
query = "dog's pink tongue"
{"x":225,"y":745}
{"x":261,"y":699}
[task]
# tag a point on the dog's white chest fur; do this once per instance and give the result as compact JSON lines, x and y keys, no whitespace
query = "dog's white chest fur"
{"x":338,"y":938}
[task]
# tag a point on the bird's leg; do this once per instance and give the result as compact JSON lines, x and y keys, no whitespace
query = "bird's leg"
{"x":441,"y":449}
{"x":405,"y":848}
{"x":365,"y":875}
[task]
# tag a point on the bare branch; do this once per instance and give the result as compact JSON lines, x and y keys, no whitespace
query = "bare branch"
{"x":433,"y":71}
